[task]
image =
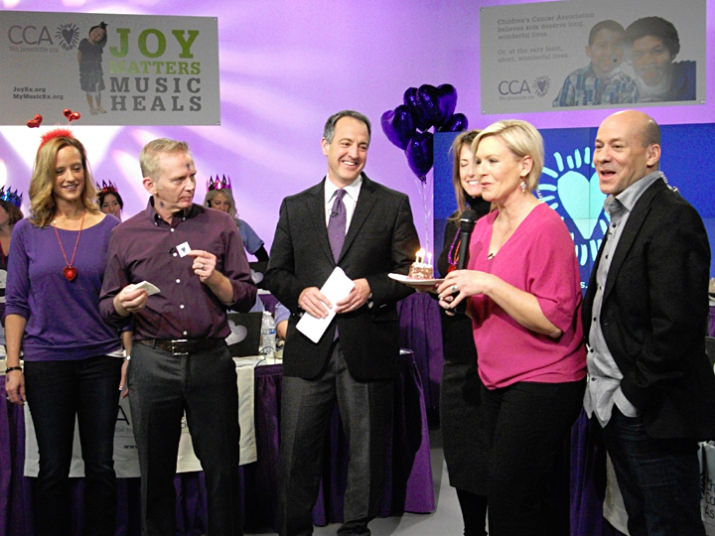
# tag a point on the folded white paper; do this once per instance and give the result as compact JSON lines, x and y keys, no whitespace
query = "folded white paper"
{"x":335,"y":288}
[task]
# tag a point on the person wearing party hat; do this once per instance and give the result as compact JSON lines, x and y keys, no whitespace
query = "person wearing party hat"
{"x":10,"y":214}
{"x":220,"y":197}
{"x":109,"y":200}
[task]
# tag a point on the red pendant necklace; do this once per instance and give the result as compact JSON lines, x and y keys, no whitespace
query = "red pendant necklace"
{"x":69,"y":271}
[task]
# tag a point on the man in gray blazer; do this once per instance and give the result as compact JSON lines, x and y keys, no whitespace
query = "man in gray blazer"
{"x":346,"y":220}
{"x":651,"y":388}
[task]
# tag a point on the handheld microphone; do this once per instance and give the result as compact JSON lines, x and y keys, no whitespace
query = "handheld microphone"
{"x":466,"y":226}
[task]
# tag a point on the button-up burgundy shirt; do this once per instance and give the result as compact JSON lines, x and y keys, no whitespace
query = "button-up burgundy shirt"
{"x":145,"y":248}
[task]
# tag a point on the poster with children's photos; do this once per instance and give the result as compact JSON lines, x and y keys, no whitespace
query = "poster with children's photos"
{"x":583,"y":54}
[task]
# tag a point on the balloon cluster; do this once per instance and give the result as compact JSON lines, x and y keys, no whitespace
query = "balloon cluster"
{"x":407,"y":126}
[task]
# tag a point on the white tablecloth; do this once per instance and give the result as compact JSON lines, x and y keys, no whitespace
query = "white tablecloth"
{"x":126,"y":462}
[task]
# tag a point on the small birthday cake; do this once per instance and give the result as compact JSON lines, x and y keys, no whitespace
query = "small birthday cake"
{"x":420,"y":269}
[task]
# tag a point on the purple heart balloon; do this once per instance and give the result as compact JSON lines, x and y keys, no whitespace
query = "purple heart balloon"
{"x":429,"y":102}
{"x":414,"y":103}
{"x":456,"y":123}
{"x":419,"y":154}
{"x":447,"y":100}
{"x":398,"y":125}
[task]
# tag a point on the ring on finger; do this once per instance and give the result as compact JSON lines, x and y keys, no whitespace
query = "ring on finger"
{"x":454,"y":288}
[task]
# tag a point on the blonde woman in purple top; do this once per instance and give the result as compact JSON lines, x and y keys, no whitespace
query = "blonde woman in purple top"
{"x":524,"y":297}
{"x":71,"y":366}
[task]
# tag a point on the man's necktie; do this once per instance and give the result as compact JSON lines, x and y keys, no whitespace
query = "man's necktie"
{"x":336,"y":224}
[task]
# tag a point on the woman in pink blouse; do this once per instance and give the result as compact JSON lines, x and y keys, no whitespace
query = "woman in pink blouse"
{"x":523,"y":294}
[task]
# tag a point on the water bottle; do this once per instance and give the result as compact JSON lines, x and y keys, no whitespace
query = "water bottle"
{"x":268,"y":335}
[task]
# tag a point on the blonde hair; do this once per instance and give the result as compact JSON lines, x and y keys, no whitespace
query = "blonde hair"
{"x":522,"y":139}
{"x":227,"y":192}
{"x":42,"y":198}
{"x":149,"y":155}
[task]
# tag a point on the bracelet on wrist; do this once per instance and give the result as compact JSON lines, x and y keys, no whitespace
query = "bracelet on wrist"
{"x":10,"y":369}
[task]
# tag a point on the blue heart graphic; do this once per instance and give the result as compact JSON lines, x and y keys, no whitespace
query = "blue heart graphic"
{"x":582,"y":200}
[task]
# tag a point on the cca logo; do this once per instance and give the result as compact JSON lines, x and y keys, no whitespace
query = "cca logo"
{"x":514,"y":87}
{"x":29,"y":35}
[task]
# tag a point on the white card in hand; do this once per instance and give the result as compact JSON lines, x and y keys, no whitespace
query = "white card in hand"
{"x":183,"y":249}
{"x":149,"y":287}
{"x":336,"y":287}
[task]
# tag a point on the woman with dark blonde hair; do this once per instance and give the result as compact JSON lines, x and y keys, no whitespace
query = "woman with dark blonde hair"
{"x":460,"y":403}
{"x":71,"y":365}
{"x":221,"y":198}
{"x":523,"y":293}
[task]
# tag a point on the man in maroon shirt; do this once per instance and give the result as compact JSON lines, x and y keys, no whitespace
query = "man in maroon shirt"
{"x":180,"y":362}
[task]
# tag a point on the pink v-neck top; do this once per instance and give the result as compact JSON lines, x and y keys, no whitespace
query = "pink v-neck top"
{"x":539,"y":258}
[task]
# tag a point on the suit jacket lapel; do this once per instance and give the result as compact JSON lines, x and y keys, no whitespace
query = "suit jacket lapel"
{"x":630,"y":232}
{"x":315,"y":215}
{"x":363,"y":208}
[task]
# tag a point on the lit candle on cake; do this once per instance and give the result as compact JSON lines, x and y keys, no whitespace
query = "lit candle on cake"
{"x":419,"y":268}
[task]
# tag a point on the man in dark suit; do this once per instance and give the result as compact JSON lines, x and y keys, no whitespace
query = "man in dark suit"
{"x":366,"y":229}
{"x":650,"y":388}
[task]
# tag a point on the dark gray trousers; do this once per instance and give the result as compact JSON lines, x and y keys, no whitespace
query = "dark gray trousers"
{"x":203,"y":384}
{"x":306,"y":407}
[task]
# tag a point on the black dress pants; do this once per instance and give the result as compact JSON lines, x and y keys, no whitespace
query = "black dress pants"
{"x":57,"y":391}
{"x":527,"y":423}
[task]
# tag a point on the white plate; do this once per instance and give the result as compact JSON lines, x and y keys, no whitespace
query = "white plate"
{"x":415,"y":282}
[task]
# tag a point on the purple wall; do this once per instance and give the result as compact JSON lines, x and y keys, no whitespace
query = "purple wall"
{"x":285,"y":66}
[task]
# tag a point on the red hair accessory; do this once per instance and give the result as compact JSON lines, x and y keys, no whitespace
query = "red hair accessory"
{"x":70,"y":115}
{"x":35,"y":121}
{"x":57,"y":133}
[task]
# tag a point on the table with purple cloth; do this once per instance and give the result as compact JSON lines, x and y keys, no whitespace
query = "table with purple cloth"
{"x":408,"y":474}
{"x":421,"y":331}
